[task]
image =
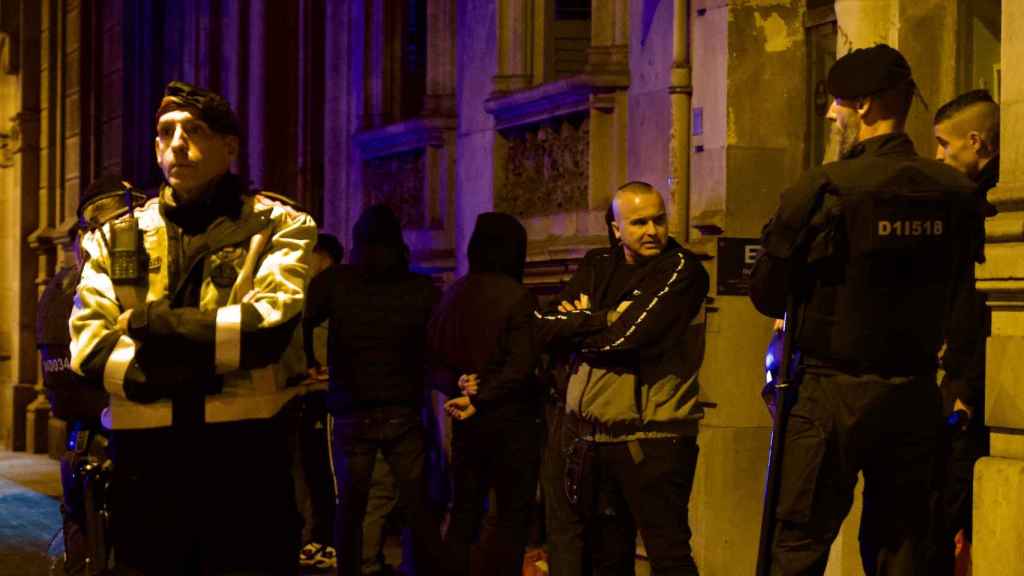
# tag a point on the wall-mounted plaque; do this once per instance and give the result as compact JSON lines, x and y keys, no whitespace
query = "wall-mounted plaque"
{"x":736,"y":257}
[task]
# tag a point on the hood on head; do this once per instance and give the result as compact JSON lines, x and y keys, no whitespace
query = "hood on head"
{"x":377,"y":243}
{"x":498,"y":245}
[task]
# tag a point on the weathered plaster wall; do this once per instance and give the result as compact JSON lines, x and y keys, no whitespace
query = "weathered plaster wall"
{"x":750,"y":90}
{"x":710,"y":29}
{"x":867,"y":22}
{"x":476,"y":140}
{"x":767,"y":108}
{"x":650,"y":112}
{"x":928,"y":39}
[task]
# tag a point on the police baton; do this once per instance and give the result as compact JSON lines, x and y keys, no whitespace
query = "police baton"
{"x":784,"y":392}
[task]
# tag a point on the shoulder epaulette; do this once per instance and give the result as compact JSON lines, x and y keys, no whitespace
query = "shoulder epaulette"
{"x":264,"y":197}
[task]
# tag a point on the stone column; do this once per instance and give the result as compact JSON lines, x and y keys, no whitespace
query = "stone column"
{"x":680,"y":94}
{"x":12,"y":402}
{"x":999,"y":479}
{"x":744,"y":152}
{"x":515,"y":45}
{"x":344,"y":89}
{"x":441,"y":29}
{"x":543,"y":49}
{"x":255,"y":90}
{"x":608,"y":69}
{"x":477,"y":142}
{"x":21,"y":96}
{"x":376,"y":66}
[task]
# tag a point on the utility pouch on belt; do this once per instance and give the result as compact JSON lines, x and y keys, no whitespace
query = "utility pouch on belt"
{"x":96,"y":478}
{"x":578,"y":478}
{"x":86,"y":508}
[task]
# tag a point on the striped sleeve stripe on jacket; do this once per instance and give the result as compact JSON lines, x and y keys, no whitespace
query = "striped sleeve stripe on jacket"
{"x":564,"y":316}
{"x":672,"y":280}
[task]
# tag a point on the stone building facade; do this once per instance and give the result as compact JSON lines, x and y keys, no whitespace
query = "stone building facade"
{"x":447,"y":108}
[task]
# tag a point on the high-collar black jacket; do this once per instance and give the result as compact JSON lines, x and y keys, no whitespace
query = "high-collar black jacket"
{"x":875,"y":249}
{"x":484,"y":326}
{"x":376,"y":336}
{"x":659,"y":337}
{"x":964,"y":360}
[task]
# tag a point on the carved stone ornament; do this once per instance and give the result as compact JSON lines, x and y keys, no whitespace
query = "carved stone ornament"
{"x":397,"y":180}
{"x":546,"y":169}
{"x":10,"y":143}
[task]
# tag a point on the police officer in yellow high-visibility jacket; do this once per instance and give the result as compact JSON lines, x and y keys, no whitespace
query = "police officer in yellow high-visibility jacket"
{"x":187,"y":310}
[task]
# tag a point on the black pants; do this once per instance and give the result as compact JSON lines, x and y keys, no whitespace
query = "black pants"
{"x":504,"y":455}
{"x":646,"y":487}
{"x":316,"y":466}
{"x":961,"y":449}
{"x":398,"y":434}
{"x":216,"y":499}
{"x":841,"y":425}
{"x":567,"y":543}
{"x":83,"y":443}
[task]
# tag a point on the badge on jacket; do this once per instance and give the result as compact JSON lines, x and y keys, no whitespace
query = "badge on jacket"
{"x":224,"y":266}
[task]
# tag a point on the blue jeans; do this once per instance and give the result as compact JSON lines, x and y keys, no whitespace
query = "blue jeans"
{"x":397,"y":433}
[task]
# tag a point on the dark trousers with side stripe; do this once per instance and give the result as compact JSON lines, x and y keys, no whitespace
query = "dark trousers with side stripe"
{"x":398,"y":434}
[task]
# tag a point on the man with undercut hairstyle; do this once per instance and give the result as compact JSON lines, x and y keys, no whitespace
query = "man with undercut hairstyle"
{"x":632,"y":316}
{"x":967,"y":134}
{"x":967,"y":137}
{"x":187,"y":312}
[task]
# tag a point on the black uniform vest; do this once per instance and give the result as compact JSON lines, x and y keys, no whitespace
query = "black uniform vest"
{"x":895,"y":245}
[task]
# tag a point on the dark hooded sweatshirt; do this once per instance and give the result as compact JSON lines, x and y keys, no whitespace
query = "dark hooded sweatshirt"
{"x":484,"y":324}
{"x":378,"y":312}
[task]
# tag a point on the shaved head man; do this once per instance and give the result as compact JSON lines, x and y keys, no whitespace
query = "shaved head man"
{"x":640,"y":223}
{"x":631,"y":316}
{"x":967,"y":132}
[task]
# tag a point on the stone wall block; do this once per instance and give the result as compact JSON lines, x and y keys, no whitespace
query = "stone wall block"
{"x":1011,"y":117}
{"x":998,"y":521}
{"x":1004,"y":391}
{"x":1003,"y":261}
{"x":728,"y":487}
{"x":730,"y":380}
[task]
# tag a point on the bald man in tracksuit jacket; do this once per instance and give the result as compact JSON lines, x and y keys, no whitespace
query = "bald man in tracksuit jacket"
{"x":645,"y":460}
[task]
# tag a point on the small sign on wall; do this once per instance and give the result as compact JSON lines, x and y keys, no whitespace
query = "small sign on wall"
{"x":736,"y":257}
